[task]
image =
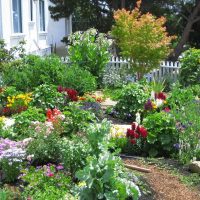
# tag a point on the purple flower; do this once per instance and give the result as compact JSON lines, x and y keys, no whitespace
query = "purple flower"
{"x":177,"y":146}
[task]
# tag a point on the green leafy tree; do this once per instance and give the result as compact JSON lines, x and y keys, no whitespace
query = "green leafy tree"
{"x":142,"y":38}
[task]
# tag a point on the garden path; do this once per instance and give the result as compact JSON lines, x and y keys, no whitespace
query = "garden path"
{"x":165,"y":186}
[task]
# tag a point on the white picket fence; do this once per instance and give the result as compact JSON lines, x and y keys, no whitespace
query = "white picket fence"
{"x":167,"y":68}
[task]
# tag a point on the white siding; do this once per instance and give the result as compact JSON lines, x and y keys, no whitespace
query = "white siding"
{"x":35,"y":40}
{"x":1,"y":33}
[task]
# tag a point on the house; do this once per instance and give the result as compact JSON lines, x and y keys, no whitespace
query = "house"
{"x":30,"y":20}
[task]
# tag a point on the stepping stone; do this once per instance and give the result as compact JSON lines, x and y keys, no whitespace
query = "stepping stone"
{"x":107,"y":103}
{"x":195,"y":167}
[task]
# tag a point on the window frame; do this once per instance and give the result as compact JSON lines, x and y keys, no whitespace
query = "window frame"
{"x":19,"y":29}
{"x":42,"y":16}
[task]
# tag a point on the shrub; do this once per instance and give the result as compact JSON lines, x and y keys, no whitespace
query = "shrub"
{"x":142,"y":38}
{"x":190,"y":67}
{"x":89,"y":50}
{"x":74,"y":115}
{"x":162,"y":134}
{"x":45,"y":148}
{"x":46,"y":96}
{"x":33,"y":71}
{"x":131,"y":100}
{"x":24,"y":120}
{"x":78,"y":79}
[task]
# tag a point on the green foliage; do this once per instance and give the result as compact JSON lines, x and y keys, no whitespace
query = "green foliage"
{"x":89,"y":50}
{"x":46,"y":96}
{"x":180,"y":96}
{"x":45,"y":148}
{"x":142,"y":38}
{"x":103,"y":176}
{"x":73,"y":154}
{"x":7,"y":56}
{"x":33,"y":71}
{"x":189,"y":129}
{"x":76,"y":120}
{"x":10,"y":169}
{"x":190,"y":67}
{"x":24,"y":120}
{"x":162,"y":134}
{"x":8,"y":194}
{"x":132,"y":99}
{"x":41,"y":186}
{"x":77,"y":78}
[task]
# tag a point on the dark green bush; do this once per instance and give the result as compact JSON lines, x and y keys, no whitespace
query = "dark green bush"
{"x":190,"y":67}
{"x":33,"y":71}
{"x":131,"y":100}
{"x":78,"y":79}
{"x":162,"y":134}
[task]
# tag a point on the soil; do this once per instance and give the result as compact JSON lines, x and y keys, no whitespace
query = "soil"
{"x":163,"y":185}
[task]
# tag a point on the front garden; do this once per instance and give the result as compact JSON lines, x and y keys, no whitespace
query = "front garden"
{"x":56,"y":140}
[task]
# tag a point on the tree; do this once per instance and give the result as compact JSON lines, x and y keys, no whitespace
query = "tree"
{"x":142,"y":38}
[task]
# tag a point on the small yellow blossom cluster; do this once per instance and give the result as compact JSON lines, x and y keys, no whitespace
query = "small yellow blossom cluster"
{"x":2,"y":119}
{"x":22,"y":99}
{"x":118,"y":131}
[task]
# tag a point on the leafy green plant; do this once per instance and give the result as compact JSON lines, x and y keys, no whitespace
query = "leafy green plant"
{"x":73,"y":154}
{"x":45,"y":183}
{"x":74,"y":115}
{"x":46,"y":96}
{"x":89,"y":50}
{"x":33,"y":71}
{"x":45,"y":148}
{"x":162,"y":134}
{"x":180,"y":96}
{"x":189,"y":131}
{"x":103,"y":176}
{"x":8,"y":55}
{"x":190,"y":67}
{"x":78,"y":79}
{"x":24,"y":120}
{"x":131,"y":100}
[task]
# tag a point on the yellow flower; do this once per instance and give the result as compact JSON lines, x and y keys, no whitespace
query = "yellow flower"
{"x":165,"y":102}
{"x":82,"y":184}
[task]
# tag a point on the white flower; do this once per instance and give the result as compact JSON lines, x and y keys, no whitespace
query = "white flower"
{"x":159,"y":102}
{"x":8,"y":122}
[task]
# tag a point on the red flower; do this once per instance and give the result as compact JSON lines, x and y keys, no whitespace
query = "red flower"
{"x":167,"y":109}
{"x":134,"y":125}
{"x":130,"y":133}
{"x":133,"y":141}
{"x":60,"y":88}
{"x":137,"y":135}
{"x":160,"y":95}
{"x":50,"y":174}
{"x":142,"y":131}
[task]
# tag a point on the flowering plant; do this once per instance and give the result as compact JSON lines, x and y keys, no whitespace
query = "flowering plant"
{"x":91,"y":98}
{"x":71,"y":94}
{"x":46,"y":181}
{"x":135,"y":133}
{"x":157,"y":101}
{"x":12,"y":155}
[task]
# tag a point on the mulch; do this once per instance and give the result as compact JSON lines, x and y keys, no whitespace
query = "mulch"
{"x":165,"y":186}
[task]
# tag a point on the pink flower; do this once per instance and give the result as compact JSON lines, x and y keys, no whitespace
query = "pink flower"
{"x":167,"y":109}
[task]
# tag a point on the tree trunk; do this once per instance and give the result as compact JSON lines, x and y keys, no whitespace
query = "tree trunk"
{"x":193,"y":18}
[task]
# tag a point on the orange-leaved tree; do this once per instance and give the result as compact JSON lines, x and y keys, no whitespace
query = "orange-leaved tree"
{"x":142,"y":38}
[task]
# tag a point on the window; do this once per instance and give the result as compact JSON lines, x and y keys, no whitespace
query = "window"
{"x":17,"y":16}
{"x":31,"y":10}
{"x":42,"y":15}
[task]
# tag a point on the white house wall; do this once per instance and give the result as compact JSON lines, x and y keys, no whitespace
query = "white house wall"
{"x":58,"y":29}
{"x":35,"y":40}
